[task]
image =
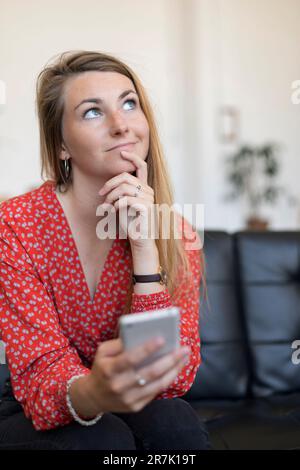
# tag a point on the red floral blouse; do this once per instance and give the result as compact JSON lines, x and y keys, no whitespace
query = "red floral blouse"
{"x":49,"y":324}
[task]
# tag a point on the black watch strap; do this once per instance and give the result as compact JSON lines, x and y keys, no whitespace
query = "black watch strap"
{"x":146,"y":278}
{"x":160,"y":277}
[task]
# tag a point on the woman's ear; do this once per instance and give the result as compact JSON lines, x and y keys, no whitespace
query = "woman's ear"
{"x":64,"y":154}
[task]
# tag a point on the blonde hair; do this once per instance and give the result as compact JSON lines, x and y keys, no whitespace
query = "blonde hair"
{"x":50,"y":107}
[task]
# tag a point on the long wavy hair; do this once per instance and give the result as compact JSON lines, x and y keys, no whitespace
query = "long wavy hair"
{"x":50,"y":106}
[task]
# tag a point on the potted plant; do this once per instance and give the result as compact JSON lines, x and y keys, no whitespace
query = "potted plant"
{"x":252,"y":173}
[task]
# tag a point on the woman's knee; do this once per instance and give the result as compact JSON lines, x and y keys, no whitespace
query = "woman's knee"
{"x":172,"y":424}
{"x":110,"y":433}
{"x":191,"y":427}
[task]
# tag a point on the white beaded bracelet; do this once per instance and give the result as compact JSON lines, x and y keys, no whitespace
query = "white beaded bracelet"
{"x":71,"y":409}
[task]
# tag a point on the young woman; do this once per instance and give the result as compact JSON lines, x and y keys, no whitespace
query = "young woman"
{"x":63,"y":288}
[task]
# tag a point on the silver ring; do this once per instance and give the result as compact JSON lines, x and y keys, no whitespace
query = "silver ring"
{"x":140,"y":380}
{"x":139,"y":187}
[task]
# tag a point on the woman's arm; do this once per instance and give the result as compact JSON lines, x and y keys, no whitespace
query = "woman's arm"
{"x":40,"y":358}
{"x":146,"y":261}
{"x":187,"y":298}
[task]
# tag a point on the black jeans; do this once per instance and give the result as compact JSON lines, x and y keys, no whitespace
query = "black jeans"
{"x":165,"y":424}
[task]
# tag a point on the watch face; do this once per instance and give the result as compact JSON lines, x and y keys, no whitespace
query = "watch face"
{"x":163,"y":277}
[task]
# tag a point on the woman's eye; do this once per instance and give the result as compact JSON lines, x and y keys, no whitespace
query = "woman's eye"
{"x":91,"y":116}
{"x":132,"y":101}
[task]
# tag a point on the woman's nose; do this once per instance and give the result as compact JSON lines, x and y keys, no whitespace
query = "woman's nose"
{"x":118,"y":124}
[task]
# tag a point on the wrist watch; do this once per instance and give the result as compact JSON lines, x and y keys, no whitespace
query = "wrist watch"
{"x":160,"y":277}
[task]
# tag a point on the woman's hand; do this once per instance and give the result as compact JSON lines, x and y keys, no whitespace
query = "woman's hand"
{"x":126,"y":191}
{"x":113,"y":377}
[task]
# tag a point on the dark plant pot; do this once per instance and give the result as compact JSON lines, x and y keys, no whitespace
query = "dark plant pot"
{"x":256,"y":223}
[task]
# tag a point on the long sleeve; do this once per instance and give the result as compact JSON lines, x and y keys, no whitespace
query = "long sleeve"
{"x":186,"y":297}
{"x":40,"y":358}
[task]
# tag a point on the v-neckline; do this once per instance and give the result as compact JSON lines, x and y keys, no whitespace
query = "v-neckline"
{"x":91,"y":301}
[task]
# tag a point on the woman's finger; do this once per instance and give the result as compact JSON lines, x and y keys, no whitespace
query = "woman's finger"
{"x":110,"y":348}
{"x":129,"y":360}
{"x":123,"y":190}
{"x":151,"y":373}
{"x":140,"y":164}
{"x":139,"y":396}
{"x":124,"y":178}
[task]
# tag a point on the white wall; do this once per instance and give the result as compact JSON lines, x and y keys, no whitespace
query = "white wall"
{"x":32,"y":32}
{"x":192,"y":55}
{"x":248,"y":58}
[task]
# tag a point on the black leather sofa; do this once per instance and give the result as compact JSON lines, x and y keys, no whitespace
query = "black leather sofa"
{"x":247,"y":388}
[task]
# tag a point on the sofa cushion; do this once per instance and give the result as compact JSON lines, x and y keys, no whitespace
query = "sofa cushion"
{"x":269,"y":266}
{"x":224,"y":369}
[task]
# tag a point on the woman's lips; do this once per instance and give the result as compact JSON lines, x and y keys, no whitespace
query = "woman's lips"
{"x":121,"y":147}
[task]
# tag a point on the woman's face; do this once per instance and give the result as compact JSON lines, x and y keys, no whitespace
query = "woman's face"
{"x":91,"y":129}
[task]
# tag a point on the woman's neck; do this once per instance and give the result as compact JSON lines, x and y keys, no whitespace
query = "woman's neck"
{"x":82,"y":199}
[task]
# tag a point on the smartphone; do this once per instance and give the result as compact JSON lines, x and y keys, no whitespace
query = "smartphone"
{"x":137,"y":328}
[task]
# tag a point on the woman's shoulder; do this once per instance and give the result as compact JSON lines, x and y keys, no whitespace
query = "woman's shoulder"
{"x":24,"y":206}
